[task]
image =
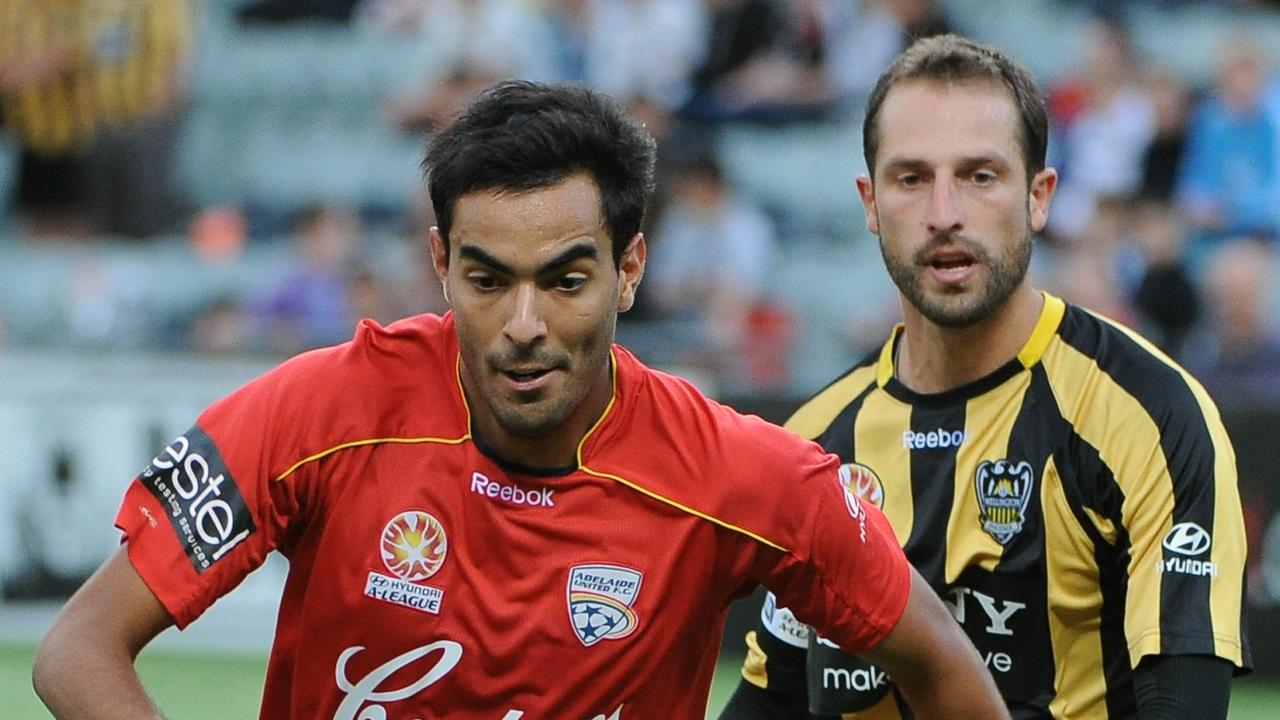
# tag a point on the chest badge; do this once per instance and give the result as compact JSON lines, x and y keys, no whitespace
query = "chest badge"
{"x":863,"y":482}
{"x":600,"y":596}
{"x":413,"y":547}
{"x":1004,"y":490}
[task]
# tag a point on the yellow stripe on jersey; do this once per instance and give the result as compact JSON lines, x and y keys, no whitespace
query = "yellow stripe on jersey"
{"x":755,"y":667}
{"x":880,"y":448}
{"x":813,"y":418}
{"x":884,"y":365}
{"x":987,"y":432}
{"x":1139,"y":468}
{"x":1230,"y":546}
{"x":1073,"y":583}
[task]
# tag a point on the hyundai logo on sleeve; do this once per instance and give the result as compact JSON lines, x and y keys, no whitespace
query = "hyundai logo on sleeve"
{"x":1187,"y":538}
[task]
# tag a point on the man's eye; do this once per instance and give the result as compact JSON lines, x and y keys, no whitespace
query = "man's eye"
{"x":483,"y":282}
{"x":983,"y":178}
{"x":909,"y":180}
{"x":570,"y":283}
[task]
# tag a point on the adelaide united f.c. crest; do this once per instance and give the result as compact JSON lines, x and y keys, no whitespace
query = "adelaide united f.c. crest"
{"x":600,"y":597}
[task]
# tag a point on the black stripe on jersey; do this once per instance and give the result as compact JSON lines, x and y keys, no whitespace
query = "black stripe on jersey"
{"x":1078,"y":461}
{"x":1184,"y":438}
{"x":838,"y":437}
{"x":1020,"y":575}
{"x":933,"y":472}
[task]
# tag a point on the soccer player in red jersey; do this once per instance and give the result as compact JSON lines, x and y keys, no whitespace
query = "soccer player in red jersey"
{"x":499,"y":514}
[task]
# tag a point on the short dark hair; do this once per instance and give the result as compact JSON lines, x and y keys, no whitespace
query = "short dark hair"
{"x":954,"y":59}
{"x":519,"y":135}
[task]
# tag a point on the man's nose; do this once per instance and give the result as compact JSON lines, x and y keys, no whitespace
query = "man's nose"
{"x":945,"y":212}
{"x":524,"y":322}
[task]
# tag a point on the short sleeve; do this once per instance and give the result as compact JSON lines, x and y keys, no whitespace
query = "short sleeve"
{"x":850,"y":578}
{"x":206,"y":511}
{"x":1182,"y":515}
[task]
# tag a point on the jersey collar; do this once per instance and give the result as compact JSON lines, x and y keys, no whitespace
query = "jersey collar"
{"x":1030,"y":354}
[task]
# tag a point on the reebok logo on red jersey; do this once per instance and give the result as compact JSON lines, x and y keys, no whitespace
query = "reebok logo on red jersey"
{"x":482,"y":485}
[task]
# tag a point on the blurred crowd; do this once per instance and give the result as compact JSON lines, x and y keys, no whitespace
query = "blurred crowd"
{"x":1167,"y":217}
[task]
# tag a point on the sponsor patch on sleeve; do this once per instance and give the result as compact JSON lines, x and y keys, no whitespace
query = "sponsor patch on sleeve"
{"x":782,"y":624}
{"x":201,"y":499}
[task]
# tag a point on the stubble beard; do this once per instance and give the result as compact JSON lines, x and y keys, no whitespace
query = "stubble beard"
{"x":961,"y":310}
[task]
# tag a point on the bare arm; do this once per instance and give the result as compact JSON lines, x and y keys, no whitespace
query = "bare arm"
{"x":933,"y":663}
{"x":84,"y":667}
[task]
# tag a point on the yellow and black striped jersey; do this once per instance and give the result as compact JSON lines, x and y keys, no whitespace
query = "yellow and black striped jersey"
{"x":1077,"y":509}
{"x":113,"y":61}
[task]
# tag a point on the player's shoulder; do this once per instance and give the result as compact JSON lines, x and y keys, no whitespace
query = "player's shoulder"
{"x":668,"y":415}
{"x":377,"y":356}
{"x":363,"y":380}
{"x":737,"y":470}
{"x":817,"y":413}
{"x":1091,"y":351}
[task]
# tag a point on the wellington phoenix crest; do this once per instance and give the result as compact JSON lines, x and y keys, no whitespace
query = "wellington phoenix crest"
{"x":600,"y":598}
{"x":1003,"y":491}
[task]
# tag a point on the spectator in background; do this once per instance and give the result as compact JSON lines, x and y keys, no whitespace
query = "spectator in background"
{"x":466,"y":45}
{"x":51,"y":133}
{"x":143,"y":52}
{"x":313,"y":305}
{"x":1106,"y":120}
{"x":90,"y":93}
{"x":760,"y":63}
{"x":279,"y":12}
{"x":1237,"y":354}
{"x":1171,"y":100}
{"x":1089,"y":271}
{"x":219,"y":328}
{"x":635,"y":50}
{"x":1229,"y":183}
{"x":714,"y":254}
{"x":1166,"y":298}
{"x":865,"y":35}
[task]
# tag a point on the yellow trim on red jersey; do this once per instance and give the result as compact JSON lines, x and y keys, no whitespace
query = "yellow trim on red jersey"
{"x":680,"y":506}
{"x":371,"y":441}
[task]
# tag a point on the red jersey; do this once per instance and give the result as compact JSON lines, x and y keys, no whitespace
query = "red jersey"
{"x":428,"y":579}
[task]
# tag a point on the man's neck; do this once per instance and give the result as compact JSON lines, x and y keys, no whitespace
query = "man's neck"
{"x":933,"y":359}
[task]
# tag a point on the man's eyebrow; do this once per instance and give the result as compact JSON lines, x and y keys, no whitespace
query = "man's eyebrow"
{"x":905,"y":163}
{"x":966,"y":162}
{"x":471,"y":252}
{"x":583,"y":249}
{"x":976,"y":161}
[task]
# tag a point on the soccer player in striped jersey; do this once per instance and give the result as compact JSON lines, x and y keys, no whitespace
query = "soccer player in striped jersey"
{"x":1061,"y":483}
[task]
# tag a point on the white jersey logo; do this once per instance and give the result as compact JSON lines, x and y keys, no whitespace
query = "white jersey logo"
{"x":365,"y":690}
{"x":1187,"y":538}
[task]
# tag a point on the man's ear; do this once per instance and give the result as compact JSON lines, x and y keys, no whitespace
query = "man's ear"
{"x":1038,"y":198}
{"x":867,"y":191}
{"x":630,"y":270}
{"x":440,"y":260}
